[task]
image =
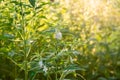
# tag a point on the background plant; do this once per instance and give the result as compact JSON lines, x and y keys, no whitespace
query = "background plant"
{"x":89,"y":48}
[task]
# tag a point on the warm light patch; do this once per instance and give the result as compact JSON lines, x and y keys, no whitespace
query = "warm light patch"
{"x":94,"y":3}
{"x":93,"y":6}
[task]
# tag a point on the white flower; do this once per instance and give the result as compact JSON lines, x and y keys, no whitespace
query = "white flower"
{"x":41,"y":64}
{"x":45,"y":69}
{"x":58,"y":35}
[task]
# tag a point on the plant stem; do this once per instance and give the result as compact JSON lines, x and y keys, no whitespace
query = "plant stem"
{"x":24,"y":39}
{"x":56,"y":69}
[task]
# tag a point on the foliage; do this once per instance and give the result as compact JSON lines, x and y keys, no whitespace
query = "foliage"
{"x":59,"y":40}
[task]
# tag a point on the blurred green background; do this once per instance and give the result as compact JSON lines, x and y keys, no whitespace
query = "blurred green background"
{"x":59,"y":39}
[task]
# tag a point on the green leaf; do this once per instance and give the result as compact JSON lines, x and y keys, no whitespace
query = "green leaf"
{"x":32,"y":2}
{"x":32,"y":74}
{"x":6,"y":36}
{"x":74,"y":67}
{"x":20,"y":3}
{"x":102,"y":78}
{"x":41,"y":5}
{"x":15,"y":2}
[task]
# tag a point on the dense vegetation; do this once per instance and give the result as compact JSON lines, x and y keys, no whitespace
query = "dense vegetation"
{"x":60,"y":39}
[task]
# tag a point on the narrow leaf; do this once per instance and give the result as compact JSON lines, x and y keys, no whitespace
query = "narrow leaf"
{"x":32,"y":2}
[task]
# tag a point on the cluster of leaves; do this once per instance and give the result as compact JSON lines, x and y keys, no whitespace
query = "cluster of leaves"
{"x":89,"y":48}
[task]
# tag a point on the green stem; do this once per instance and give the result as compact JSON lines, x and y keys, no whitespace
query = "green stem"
{"x":26,"y":71}
{"x":56,"y":69}
{"x":24,"y":39}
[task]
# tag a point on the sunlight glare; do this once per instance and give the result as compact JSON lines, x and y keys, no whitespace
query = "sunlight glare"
{"x":92,"y":5}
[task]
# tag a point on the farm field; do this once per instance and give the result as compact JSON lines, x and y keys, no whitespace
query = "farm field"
{"x":59,"y":39}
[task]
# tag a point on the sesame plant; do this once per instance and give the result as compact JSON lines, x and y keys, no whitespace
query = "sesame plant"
{"x":32,"y":50}
{"x":59,"y":40}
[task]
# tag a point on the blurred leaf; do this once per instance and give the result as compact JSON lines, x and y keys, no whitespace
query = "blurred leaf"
{"x":74,"y":67}
{"x":32,"y":2}
{"x":101,"y":78}
{"x":15,"y":2}
{"x":6,"y":36}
